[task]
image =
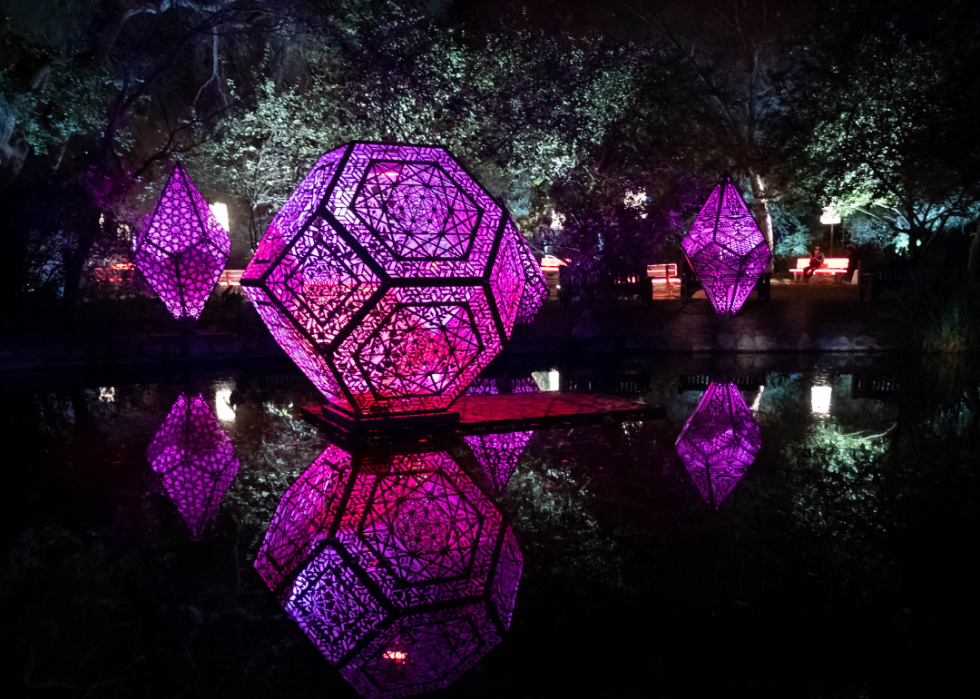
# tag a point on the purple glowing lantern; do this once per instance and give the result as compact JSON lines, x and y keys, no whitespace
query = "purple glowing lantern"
{"x":391,"y":278}
{"x":195,"y":461}
{"x":396,"y":566}
{"x":719,"y":442}
{"x":183,"y":248}
{"x":726,"y":248}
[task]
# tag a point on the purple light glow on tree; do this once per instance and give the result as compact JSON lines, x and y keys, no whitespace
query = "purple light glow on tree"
{"x":183,"y":249}
{"x":391,"y":278}
{"x":719,"y":442}
{"x":195,"y":460}
{"x":726,"y":248}
{"x":396,"y":566}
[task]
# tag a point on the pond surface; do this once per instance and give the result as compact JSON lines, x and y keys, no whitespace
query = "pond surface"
{"x":795,"y":526}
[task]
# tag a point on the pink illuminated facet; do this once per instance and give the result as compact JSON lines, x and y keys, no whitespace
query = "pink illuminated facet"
{"x":183,"y":249}
{"x":396,"y":566}
{"x":391,"y":278}
{"x":726,"y":248}
{"x":195,"y":460}
{"x":719,"y":442}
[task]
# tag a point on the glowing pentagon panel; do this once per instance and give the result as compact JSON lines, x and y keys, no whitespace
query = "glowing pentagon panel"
{"x":391,"y":278}
{"x":195,"y":461}
{"x":719,"y":442}
{"x":183,"y":249}
{"x":726,"y":248}
{"x":396,"y":566}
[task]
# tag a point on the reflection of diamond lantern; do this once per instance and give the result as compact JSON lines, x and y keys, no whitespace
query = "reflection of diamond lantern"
{"x":499,"y":453}
{"x":194,"y":459}
{"x":719,"y":442}
{"x":398,"y":567}
{"x":390,"y":277}
{"x":726,"y":248}
{"x":183,"y":249}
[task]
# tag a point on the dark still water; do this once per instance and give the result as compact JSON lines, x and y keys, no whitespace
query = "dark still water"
{"x":794,"y":527}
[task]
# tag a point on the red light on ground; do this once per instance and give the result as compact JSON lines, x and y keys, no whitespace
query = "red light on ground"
{"x":396,"y":655}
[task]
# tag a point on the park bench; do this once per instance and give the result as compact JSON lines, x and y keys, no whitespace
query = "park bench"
{"x":231,"y":277}
{"x":836,"y":266}
{"x":663,"y":274}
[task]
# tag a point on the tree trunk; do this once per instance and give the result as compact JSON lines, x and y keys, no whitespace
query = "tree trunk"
{"x":760,"y":211}
{"x":973,"y":264}
{"x":74,"y":265}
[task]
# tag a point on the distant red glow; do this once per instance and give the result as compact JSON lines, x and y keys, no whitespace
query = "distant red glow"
{"x":396,"y":655}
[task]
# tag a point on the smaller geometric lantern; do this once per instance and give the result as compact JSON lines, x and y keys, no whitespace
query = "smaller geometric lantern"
{"x":195,"y":460}
{"x":726,"y":248}
{"x":183,"y":249}
{"x":719,"y":442}
{"x":396,"y":566}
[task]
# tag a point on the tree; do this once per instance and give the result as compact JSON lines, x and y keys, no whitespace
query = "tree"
{"x":893,"y":136}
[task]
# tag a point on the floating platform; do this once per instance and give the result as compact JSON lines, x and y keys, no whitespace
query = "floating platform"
{"x":490,"y":414}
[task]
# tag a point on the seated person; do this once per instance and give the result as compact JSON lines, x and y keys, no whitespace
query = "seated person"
{"x":816,"y":261}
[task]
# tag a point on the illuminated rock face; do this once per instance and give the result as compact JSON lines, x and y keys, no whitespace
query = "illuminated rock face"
{"x":398,"y":567}
{"x":391,"y":278}
{"x":183,"y":249}
{"x":726,"y":248}
{"x":719,"y":442}
{"x":195,"y":460}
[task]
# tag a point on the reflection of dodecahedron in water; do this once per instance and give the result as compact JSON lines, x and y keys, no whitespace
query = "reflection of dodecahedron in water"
{"x":398,"y":567}
{"x":183,"y":249}
{"x":719,"y":442}
{"x":726,"y":248}
{"x":195,"y":460}
{"x":392,"y":278}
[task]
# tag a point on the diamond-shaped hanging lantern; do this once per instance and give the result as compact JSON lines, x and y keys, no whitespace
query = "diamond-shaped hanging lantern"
{"x":195,"y":460}
{"x":726,"y":248}
{"x":391,"y":278}
{"x":183,"y":249}
{"x":396,"y":566}
{"x":719,"y":442}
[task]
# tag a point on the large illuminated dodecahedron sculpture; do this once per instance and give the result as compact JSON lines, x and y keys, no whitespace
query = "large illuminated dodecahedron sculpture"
{"x":396,"y":566}
{"x":195,"y":460}
{"x":390,"y":277}
{"x":719,"y":442}
{"x":726,"y":248}
{"x":183,"y":248}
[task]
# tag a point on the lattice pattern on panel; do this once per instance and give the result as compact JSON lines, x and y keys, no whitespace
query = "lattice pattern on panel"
{"x":726,"y":248}
{"x":719,"y":442}
{"x":195,"y":461}
{"x":391,"y":278}
{"x":535,"y":287}
{"x":183,"y":249}
{"x":499,"y":454}
{"x":396,"y":565}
